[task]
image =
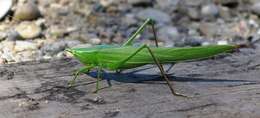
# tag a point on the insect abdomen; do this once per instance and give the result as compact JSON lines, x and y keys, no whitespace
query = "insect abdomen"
{"x":192,"y":53}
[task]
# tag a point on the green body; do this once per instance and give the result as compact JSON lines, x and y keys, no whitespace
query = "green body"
{"x":107,"y":56}
{"x":127,"y":56}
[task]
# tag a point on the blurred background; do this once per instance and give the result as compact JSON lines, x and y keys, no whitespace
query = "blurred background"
{"x":42,"y":29}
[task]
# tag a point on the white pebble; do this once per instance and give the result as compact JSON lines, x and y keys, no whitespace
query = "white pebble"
{"x":205,"y":43}
{"x":25,"y":45}
{"x":5,"y":6}
{"x":95,"y":41}
{"x":28,"y":30}
{"x":222,"y":42}
{"x":253,"y":23}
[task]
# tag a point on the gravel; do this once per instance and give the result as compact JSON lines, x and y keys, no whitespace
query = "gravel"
{"x":46,"y":28}
{"x":209,"y":11}
{"x":159,"y":16}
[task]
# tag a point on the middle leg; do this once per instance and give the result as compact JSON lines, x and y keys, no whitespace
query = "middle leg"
{"x":99,"y":73}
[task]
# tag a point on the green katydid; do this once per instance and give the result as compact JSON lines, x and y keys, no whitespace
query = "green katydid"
{"x":127,"y":56}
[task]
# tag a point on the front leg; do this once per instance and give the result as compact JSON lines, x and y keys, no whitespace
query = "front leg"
{"x":82,"y":70}
{"x":148,"y":21}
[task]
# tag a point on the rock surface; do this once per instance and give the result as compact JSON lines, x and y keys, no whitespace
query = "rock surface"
{"x":227,"y":86}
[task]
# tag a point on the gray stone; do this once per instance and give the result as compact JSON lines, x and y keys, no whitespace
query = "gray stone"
{"x":157,"y":15}
{"x":168,"y":4}
{"x":256,"y":8}
{"x":193,"y":32}
{"x":194,"y":13}
{"x":224,"y":13}
{"x":170,"y":35}
{"x":254,"y":1}
{"x":223,"y":30}
{"x":194,"y":3}
{"x":130,"y":19}
{"x":54,"y":48}
{"x":27,"y":11}
{"x":209,"y":11}
{"x":72,"y":43}
{"x":209,"y":29}
{"x":13,"y":35}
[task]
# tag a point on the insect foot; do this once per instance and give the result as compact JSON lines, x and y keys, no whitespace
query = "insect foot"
{"x":181,"y":95}
{"x":71,"y":83}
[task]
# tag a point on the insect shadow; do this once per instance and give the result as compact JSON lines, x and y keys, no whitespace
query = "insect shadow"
{"x":148,"y":75}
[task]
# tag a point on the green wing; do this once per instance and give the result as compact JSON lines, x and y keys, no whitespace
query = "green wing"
{"x":164,"y":55}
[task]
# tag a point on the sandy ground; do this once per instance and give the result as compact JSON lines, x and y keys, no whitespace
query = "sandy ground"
{"x":226,"y":86}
